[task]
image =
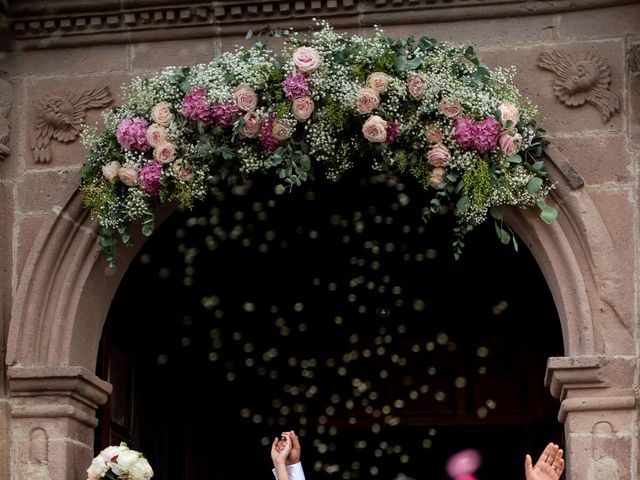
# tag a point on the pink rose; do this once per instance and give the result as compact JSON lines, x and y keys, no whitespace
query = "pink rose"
{"x":302,"y":108}
{"x":245,"y":98}
{"x":156,"y":135}
{"x":379,"y":81}
{"x":182,"y":171}
{"x":437,"y":175}
{"x":508,"y":143}
{"x":450,"y":109}
{"x":415,"y":86}
{"x":375,"y":129}
{"x":110,"y":171}
{"x":509,"y":112}
{"x":439,"y":155}
{"x":161,"y":114}
{"x":367,"y":100}
{"x":433,"y":133}
{"x":251,"y":126}
{"x":128,"y":174}
{"x":165,"y":153}
{"x":306,"y":60}
{"x":281,"y":130}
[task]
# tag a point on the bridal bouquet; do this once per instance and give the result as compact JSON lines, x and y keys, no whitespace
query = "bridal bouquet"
{"x":115,"y":463}
{"x":327,"y":102}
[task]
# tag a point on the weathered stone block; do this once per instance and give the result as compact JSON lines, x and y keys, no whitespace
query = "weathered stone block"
{"x":41,"y":191}
{"x":27,"y":231}
{"x":91,"y":59}
{"x":598,"y":159}
{"x":155,"y":56}
{"x":537,"y":84}
{"x":599,"y":23}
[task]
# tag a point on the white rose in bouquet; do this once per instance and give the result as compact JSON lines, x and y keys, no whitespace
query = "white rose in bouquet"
{"x":98,"y":469}
{"x":141,"y":470}
{"x":121,"y":462}
{"x":126,"y":459}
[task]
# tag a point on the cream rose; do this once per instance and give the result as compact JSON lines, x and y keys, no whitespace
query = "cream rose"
{"x":165,"y":153}
{"x":156,"y":135}
{"x":302,"y":108}
{"x":97,"y":469}
{"x":450,"y":109}
{"x":128,"y":174}
{"x":127,"y":459}
{"x":509,"y":112}
{"x":415,"y":87}
{"x":367,"y":100}
{"x":161,"y":114}
{"x":108,"y":453}
{"x":379,"y":81}
{"x":437,"y":175}
{"x":245,"y":98}
{"x":508,"y":143}
{"x":281,"y":130}
{"x":141,"y":470}
{"x":251,"y":126}
{"x":182,"y":171}
{"x":375,"y":129}
{"x":433,"y":133}
{"x":439,"y":156}
{"x":306,"y":60}
{"x":110,"y":171}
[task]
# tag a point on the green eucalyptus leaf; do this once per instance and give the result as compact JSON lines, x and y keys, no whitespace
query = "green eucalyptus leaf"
{"x":496,"y":212}
{"x":548,"y":214}
{"x":401,"y":63}
{"x":534,"y":185}
{"x":514,"y":159}
{"x":463,"y":204}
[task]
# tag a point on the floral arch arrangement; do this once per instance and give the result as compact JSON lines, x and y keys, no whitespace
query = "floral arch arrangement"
{"x":417,"y":107}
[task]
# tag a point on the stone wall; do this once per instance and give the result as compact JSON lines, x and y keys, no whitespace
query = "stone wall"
{"x":56,"y":59}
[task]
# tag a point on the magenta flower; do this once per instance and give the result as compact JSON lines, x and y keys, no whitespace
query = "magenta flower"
{"x":465,"y":129}
{"x":132,"y":133}
{"x":223,"y":113}
{"x":393,"y":131}
{"x":266,"y":137}
{"x":295,"y":86}
{"x":481,"y":135}
{"x":487,"y":132}
{"x":149,"y":178}
{"x":195,"y":107}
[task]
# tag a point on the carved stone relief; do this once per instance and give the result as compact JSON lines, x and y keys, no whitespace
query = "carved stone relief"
{"x":581,"y":78}
{"x":60,"y":116}
{"x":6,"y":97}
{"x":603,"y":465}
{"x":39,"y":447}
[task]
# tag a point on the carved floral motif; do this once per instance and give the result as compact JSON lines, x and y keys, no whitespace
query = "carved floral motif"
{"x":582,"y":77}
{"x":60,"y":116}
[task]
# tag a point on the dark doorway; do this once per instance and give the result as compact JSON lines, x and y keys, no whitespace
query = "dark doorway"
{"x":337,"y":312}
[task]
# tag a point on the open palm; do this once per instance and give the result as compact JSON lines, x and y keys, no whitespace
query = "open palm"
{"x":549,"y":466}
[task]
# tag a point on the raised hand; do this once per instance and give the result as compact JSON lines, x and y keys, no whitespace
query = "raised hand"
{"x":296,"y":450}
{"x":549,"y":466}
{"x":280,"y":450}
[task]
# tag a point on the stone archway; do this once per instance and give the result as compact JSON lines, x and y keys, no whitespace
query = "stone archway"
{"x":65,"y":292}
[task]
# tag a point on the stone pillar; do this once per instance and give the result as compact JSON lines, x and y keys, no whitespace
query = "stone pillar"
{"x":598,"y":408}
{"x":53,"y":418}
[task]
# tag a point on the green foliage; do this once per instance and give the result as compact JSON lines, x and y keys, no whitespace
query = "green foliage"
{"x":477,"y":182}
{"x":336,"y":115}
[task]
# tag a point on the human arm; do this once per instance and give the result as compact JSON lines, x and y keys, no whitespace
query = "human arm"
{"x":549,"y":466}
{"x":279,"y":452}
{"x":294,"y":467}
